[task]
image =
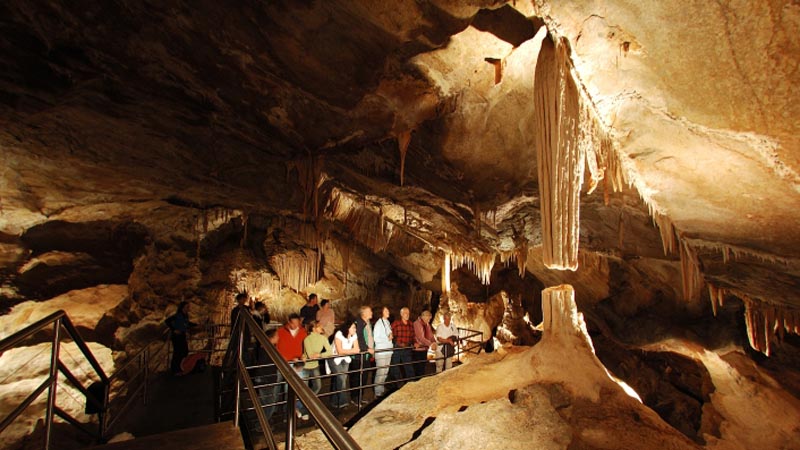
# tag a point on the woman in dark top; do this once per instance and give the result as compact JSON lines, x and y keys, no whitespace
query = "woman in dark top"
{"x":179,"y":325}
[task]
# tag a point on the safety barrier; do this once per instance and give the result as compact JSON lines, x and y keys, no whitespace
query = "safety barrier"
{"x":270,"y":395}
{"x":59,"y":323}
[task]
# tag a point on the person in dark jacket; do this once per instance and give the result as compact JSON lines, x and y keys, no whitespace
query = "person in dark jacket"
{"x":309,"y":311}
{"x":179,"y":325}
{"x":362,"y":365}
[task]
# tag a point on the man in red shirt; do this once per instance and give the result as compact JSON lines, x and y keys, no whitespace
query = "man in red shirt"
{"x":290,"y":346}
{"x":290,"y":339}
{"x":403,"y":333}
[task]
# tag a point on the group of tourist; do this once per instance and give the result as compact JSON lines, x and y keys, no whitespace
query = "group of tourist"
{"x":365,"y":351}
{"x":358,"y":352}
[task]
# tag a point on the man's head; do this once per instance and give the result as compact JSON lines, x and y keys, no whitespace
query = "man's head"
{"x":405,"y":313}
{"x":312,"y":299}
{"x":272,"y":335}
{"x":260,"y":307}
{"x":293,"y":322}
{"x":325,"y":303}
{"x":446,"y":319}
{"x":366,"y":312}
{"x":426,"y":316}
{"x":241,"y":298}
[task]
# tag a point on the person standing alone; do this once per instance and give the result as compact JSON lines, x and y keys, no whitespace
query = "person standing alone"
{"x":179,"y":326}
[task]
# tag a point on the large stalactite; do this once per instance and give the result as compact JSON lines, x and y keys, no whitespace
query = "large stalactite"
{"x":560,"y":161}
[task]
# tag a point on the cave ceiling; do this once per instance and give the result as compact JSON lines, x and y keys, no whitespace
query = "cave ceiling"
{"x":110,"y":109}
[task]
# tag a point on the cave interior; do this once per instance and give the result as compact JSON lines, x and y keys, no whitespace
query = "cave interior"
{"x":417,"y":152}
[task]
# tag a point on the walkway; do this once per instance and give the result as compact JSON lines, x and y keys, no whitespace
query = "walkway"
{"x":216,"y":436}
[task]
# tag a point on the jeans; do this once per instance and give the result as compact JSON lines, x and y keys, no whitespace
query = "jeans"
{"x":268,"y":394}
{"x":342,"y":398}
{"x":404,"y":370}
{"x":382,"y":360}
{"x":314,"y":384}
{"x":360,"y":367}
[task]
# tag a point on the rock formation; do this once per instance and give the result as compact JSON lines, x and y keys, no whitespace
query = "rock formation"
{"x":373,"y":152}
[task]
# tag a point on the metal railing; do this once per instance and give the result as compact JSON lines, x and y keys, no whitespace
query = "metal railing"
{"x":58,"y":321}
{"x":296,"y":390}
{"x":132,"y":380}
{"x":470,"y":341}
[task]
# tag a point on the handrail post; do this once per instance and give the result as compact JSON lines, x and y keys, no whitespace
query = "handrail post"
{"x":291,"y":419}
{"x":51,"y":390}
{"x":104,"y":410}
{"x":240,"y":337}
{"x":361,"y":379}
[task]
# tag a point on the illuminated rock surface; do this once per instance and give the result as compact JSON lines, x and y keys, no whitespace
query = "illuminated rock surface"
{"x":190,"y":151}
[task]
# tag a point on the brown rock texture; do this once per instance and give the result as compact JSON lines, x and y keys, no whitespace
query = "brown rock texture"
{"x":153,"y":153}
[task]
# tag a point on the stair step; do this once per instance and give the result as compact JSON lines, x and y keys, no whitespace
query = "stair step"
{"x":216,"y":436}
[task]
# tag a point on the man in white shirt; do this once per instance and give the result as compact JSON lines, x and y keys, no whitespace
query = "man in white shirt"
{"x":447,"y":337}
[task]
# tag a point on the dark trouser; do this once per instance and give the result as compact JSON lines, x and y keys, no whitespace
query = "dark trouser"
{"x":402,"y":368}
{"x":361,"y":365}
{"x":420,"y":359}
{"x":180,"y":350}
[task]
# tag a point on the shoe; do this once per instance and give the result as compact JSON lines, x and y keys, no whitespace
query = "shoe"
{"x":301,"y":416}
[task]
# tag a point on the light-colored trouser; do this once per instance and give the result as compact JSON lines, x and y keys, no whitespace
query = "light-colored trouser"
{"x":382,"y":361}
{"x":442,"y":361}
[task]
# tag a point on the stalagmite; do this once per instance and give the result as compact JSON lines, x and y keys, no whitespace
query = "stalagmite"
{"x":560,"y":162}
{"x":560,"y":314}
{"x":403,"y":139}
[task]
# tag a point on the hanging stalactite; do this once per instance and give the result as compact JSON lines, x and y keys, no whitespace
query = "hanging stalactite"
{"x":560,"y":162}
{"x":691,"y":276}
{"x":366,"y":226}
{"x":479,"y":263}
{"x":403,"y":139}
{"x":296,"y":269}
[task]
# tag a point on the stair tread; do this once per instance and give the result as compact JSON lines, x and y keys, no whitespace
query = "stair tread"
{"x":214,"y":436}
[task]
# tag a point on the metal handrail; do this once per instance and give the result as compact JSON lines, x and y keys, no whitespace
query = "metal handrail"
{"x":466,"y":345}
{"x":328,"y":424}
{"x":57,"y":320}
